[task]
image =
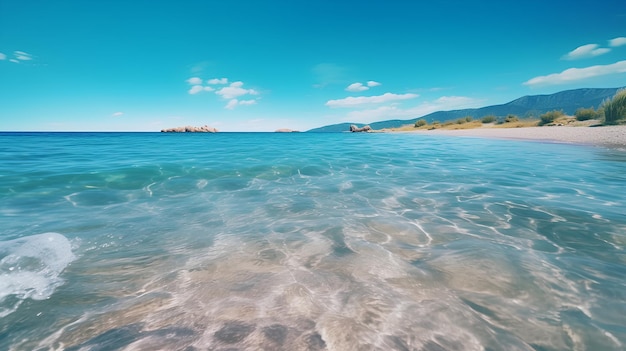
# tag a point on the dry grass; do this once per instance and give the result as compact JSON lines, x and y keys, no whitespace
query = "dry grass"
{"x":523,"y":123}
{"x":404,"y":128}
{"x":466,"y":125}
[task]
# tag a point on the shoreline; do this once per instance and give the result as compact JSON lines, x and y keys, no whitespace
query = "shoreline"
{"x":607,"y":136}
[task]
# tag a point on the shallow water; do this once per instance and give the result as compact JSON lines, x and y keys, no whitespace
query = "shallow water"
{"x":143,"y":241}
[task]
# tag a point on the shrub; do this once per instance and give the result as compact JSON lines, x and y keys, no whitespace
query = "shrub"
{"x":550,"y":117}
{"x":488,"y":119}
{"x":584,"y":114}
{"x":420,"y":123}
{"x":615,"y":109}
{"x":469,"y":118}
{"x":511,"y":118}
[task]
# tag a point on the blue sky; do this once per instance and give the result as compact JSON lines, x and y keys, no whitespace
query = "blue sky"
{"x":75,"y":65}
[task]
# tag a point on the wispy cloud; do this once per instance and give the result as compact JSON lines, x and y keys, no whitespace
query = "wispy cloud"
{"x":353,"y":101}
{"x":575,"y":74}
{"x":615,"y":42}
{"x":586,"y":51}
{"x":117,"y":114}
{"x":356,"y":87}
{"x":22,"y":56}
{"x":17,"y":57}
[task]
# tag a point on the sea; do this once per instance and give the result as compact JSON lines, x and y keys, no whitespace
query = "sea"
{"x":309,"y":241}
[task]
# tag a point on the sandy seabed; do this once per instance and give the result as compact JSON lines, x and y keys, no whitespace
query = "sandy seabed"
{"x":612,"y":136}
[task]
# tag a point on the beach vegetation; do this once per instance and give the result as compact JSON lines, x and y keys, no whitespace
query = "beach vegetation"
{"x":519,"y":123}
{"x":465,"y":119}
{"x":465,"y":125}
{"x":510,"y":118}
{"x":489,"y":119}
{"x":420,"y":123}
{"x":615,"y":109}
{"x":550,"y":117}
{"x":434,"y":125}
{"x":584,"y":114}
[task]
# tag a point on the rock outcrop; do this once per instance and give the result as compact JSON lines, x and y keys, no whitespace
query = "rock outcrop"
{"x":355,"y":129}
{"x":190,"y":129}
{"x":286,"y":130}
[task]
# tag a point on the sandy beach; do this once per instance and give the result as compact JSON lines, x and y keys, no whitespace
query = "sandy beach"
{"x":611,"y":136}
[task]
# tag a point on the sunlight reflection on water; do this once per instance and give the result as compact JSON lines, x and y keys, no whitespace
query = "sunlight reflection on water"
{"x":313,"y":242}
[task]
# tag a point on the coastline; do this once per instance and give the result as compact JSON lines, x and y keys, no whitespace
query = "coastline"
{"x":608,"y":136}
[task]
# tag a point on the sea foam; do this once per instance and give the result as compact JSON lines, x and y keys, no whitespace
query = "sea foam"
{"x":30,"y":267}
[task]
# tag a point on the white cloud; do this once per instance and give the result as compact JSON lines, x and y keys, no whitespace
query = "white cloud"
{"x":235,"y":90}
{"x":117,"y":114}
{"x":196,"y":89}
{"x":231,"y":92}
{"x":576,"y":74}
{"x":218,"y":81}
{"x":586,"y":51}
{"x":444,"y":103}
{"x":14,"y":61}
{"x":3,"y":56}
{"x":615,"y":42}
{"x":231,"y":104}
{"x":194,"y":81}
{"x":247,"y":102}
{"x":352,"y":101}
{"x":356,"y":87}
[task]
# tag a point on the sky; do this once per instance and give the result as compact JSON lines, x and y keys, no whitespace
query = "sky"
{"x":145,"y":65}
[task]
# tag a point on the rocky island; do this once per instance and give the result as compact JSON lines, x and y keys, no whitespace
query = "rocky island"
{"x":355,"y":129}
{"x":190,"y":129}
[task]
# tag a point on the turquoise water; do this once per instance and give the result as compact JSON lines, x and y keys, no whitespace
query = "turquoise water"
{"x":144,"y":241}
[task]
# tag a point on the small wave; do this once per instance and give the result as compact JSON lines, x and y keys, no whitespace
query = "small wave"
{"x":30,"y":268}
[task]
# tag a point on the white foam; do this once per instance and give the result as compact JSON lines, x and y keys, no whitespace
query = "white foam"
{"x":30,"y":268}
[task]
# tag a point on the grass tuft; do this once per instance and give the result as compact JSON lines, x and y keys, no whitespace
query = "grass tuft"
{"x":615,"y":109}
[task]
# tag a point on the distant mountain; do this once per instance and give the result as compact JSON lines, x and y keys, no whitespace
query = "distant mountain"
{"x":528,"y":106}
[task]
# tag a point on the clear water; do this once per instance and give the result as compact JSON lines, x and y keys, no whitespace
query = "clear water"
{"x":309,"y":242}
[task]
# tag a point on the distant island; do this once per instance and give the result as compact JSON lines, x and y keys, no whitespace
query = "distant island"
{"x":190,"y":129}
